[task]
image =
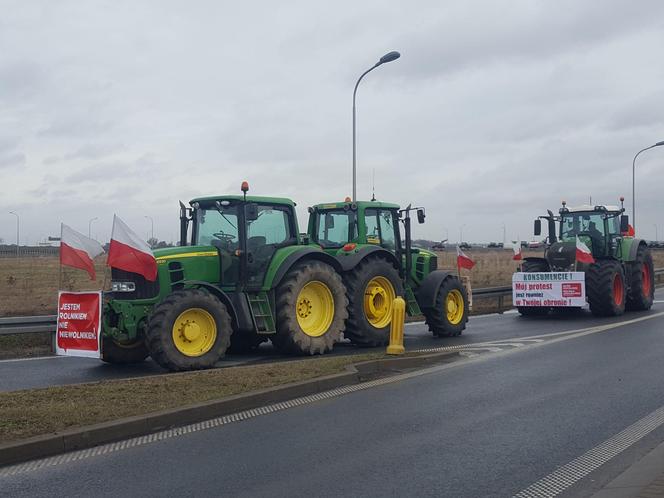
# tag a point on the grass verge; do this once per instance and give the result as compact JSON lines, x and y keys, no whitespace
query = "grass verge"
{"x":37,"y":412}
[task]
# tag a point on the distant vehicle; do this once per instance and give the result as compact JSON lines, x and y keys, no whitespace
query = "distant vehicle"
{"x":535,"y":244}
{"x":464,"y":245}
{"x":495,"y":245}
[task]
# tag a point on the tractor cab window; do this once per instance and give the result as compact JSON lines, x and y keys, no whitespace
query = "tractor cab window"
{"x":614,"y":225}
{"x":270,"y":227}
{"x":589,"y":225}
{"x":265,"y":234}
{"x":217,"y":227}
{"x":381,"y":228}
{"x":335,"y":228}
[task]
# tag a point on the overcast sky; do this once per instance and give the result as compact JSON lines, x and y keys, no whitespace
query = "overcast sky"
{"x":494,"y":112}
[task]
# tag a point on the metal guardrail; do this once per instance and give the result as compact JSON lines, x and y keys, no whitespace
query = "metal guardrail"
{"x":46,"y":323}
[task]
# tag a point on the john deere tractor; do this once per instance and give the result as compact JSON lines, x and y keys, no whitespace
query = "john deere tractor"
{"x":377,"y":265}
{"x":621,"y":278}
{"x":242,"y":277}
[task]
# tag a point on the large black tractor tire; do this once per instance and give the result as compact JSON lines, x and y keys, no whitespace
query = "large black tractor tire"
{"x":605,"y":288}
{"x":450,"y":315}
{"x":245,"y":343}
{"x":642,"y":282}
{"x":371,"y":288}
{"x":113,"y":351}
{"x":311,"y":309}
{"x":189,"y":330}
{"x":534,"y":267}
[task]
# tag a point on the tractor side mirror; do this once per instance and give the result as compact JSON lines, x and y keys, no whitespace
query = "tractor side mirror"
{"x":420,"y":216}
{"x":624,"y":223}
{"x":329,"y":221}
{"x":251,"y":211}
{"x":538,"y":227}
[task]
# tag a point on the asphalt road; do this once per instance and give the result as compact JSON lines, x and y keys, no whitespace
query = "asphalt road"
{"x":52,"y":371}
{"x":490,"y":425}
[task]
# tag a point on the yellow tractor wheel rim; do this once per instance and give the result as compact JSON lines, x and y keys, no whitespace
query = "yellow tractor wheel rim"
{"x":454,"y":306}
{"x":194,"y":332}
{"x":314,"y":308}
{"x":378,"y":299}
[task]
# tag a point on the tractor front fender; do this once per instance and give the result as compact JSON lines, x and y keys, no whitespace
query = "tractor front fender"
{"x":427,"y":292}
{"x":236,"y":304}
{"x":634,"y":249}
{"x":350,"y":260}
{"x":300,"y":256}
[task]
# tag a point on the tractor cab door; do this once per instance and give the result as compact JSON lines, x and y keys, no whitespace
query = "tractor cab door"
{"x":269,"y":228}
{"x":382,"y":228}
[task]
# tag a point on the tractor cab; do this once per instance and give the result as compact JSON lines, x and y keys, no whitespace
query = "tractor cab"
{"x":246,"y":232}
{"x":600,"y":228}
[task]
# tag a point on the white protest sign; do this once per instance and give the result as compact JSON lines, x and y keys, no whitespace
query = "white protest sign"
{"x":549,"y":289}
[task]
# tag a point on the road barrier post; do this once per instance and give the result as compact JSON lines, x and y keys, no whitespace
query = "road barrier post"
{"x":397,"y":326}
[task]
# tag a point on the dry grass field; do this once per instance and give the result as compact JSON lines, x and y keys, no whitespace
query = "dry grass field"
{"x":29,"y":286}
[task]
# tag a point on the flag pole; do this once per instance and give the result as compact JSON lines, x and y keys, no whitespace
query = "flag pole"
{"x":60,"y":261}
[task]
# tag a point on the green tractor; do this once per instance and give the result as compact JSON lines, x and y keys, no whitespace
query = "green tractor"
{"x":621,"y":278}
{"x":242,"y":277}
{"x":377,"y":266}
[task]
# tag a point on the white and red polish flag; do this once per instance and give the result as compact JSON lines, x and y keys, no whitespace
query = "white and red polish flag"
{"x":583,"y":254}
{"x":78,"y":251}
{"x":129,"y":252}
{"x":518,"y":252}
{"x":464,"y":261}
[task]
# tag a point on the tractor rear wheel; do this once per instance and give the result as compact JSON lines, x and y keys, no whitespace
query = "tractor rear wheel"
{"x":123,"y":352}
{"x":371,"y":287}
{"x":189,"y":330}
{"x":605,"y":288}
{"x":310,"y":308}
{"x":448,"y":318}
{"x":534,"y":266}
{"x":642,"y":282}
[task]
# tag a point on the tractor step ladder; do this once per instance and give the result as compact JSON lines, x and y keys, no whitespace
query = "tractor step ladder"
{"x":262,"y":313}
{"x":411,"y":303}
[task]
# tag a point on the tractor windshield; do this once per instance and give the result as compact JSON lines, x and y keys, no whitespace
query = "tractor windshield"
{"x":335,"y":228}
{"x":217,"y":227}
{"x":590,"y":224}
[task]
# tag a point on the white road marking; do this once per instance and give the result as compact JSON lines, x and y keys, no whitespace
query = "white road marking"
{"x":567,"y":475}
{"x":14,"y":360}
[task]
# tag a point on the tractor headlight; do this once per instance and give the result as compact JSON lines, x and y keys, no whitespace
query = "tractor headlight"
{"x":123,"y":286}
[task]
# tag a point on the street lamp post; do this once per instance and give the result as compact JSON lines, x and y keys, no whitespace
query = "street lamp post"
{"x":151,"y":226}
{"x":389,"y":57}
{"x":17,"y":232}
{"x":633,"y":171}
{"x":504,"y":229}
{"x":461,"y":233}
{"x":656,"y":232}
{"x":90,"y":226}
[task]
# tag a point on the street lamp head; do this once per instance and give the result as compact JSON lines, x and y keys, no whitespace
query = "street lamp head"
{"x":389,"y":57}
{"x":659,"y":143}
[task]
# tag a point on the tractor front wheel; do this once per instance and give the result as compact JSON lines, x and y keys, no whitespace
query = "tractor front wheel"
{"x":123,"y":352}
{"x":448,"y":318}
{"x":605,"y":288}
{"x":534,"y":266}
{"x":642,"y":282}
{"x":311,"y":309}
{"x":189,"y":330}
{"x":372,"y":287}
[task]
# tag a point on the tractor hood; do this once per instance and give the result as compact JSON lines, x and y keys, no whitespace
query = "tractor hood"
{"x":561,"y":256}
{"x":183,"y":251}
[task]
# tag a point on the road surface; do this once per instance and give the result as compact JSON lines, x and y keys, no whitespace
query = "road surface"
{"x":489,"y":425}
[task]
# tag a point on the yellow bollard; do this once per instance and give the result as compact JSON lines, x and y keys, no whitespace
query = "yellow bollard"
{"x":396,"y":327}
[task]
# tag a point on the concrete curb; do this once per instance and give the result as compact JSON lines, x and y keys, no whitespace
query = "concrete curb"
{"x":116,"y":430}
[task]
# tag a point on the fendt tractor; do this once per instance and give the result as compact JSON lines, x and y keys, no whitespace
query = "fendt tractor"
{"x":621,"y":278}
{"x":364,"y":238}
{"x":242,"y":277}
